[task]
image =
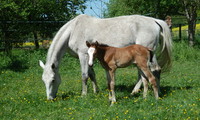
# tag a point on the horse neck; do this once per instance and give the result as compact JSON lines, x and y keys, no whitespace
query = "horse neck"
{"x":60,"y":44}
{"x":58,"y":48}
{"x":101,"y":52}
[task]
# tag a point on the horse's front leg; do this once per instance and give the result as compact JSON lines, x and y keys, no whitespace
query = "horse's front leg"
{"x":84,"y":70}
{"x":93,"y":79}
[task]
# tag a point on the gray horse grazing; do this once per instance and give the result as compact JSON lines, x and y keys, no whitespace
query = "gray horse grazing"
{"x":117,"y":32}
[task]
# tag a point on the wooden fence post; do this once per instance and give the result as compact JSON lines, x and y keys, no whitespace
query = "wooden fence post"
{"x":180,"y":36}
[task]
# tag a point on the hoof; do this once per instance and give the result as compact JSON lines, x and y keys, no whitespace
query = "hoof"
{"x":135,"y":92}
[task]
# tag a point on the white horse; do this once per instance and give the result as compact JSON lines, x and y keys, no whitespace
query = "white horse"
{"x":117,"y":32}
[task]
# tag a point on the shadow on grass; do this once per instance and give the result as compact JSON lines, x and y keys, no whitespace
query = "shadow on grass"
{"x":16,"y":64}
{"x":127,"y":89}
{"x":20,"y":60}
{"x":124,"y":88}
{"x":67,"y":95}
{"x":165,"y":91}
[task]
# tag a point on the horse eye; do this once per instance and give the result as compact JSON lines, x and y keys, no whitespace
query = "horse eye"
{"x":53,"y":81}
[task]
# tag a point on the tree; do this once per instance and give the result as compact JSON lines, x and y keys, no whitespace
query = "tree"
{"x":191,"y":8}
{"x":8,"y":11}
{"x":155,"y":8}
{"x":35,"y":10}
{"x":159,"y":9}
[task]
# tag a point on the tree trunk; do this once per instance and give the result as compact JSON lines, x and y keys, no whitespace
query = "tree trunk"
{"x":191,"y":14}
{"x":7,"y":41}
{"x":191,"y":32}
{"x":8,"y":45}
{"x":36,"y":40}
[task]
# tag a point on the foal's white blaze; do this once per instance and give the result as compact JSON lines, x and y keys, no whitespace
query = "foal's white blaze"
{"x":91,"y":51}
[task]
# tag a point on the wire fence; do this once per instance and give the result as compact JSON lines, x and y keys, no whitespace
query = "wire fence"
{"x":27,"y":39}
{"x":25,"y":34}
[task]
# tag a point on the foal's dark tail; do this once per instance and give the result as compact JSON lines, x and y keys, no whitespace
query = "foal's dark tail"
{"x":151,"y":55}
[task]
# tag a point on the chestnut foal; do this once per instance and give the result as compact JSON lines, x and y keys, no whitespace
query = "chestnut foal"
{"x":112,"y":58}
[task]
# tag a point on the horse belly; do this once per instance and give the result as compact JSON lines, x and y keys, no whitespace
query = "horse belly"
{"x":124,"y":62}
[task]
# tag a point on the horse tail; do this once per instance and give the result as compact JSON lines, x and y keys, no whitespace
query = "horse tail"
{"x":165,"y":49}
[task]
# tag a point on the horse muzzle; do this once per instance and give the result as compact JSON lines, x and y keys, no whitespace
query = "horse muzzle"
{"x":51,"y":97}
{"x":90,"y":64}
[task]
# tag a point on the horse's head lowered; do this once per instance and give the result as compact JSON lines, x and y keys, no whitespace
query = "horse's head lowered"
{"x":92,"y":50}
{"x":51,"y":79}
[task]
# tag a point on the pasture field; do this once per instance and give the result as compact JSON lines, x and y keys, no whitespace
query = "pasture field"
{"x":23,"y":96}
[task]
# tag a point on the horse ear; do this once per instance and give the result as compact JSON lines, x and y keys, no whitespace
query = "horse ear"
{"x":41,"y":64}
{"x":88,"y":44}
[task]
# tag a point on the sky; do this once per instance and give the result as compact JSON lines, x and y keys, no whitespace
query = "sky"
{"x":95,"y":7}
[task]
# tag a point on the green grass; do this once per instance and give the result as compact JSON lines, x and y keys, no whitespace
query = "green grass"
{"x":22,"y":92}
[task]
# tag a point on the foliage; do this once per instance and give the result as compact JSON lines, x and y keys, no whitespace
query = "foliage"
{"x":23,"y":95}
{"x":15,"y":17}
{"x":183,"y":52}
{"x":158,"y":8}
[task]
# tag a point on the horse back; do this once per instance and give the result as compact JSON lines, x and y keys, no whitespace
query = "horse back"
{"x":141,"y":54}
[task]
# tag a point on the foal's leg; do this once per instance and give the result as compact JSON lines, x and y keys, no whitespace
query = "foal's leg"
{"x":151,"y":79}
{"x":108,"y":83}
{"x":111,"y":86}
{"x":156,"y":70}
{"x":93,"y":79}
{"x":145,"y":83}
{"x":138,"y":85}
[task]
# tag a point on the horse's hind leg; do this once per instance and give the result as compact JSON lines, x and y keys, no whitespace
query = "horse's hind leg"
{"x":93,"y":79}
{"x":138,"y":85}
{"x":156,"y":70}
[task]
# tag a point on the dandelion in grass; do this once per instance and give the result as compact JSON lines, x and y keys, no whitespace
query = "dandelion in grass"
{"x":126,"y":97}
{"x":126,"y":112}
{"x":136,"y":100}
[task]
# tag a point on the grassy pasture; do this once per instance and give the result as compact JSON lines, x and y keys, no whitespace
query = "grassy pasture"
{"x":23,"y":94}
